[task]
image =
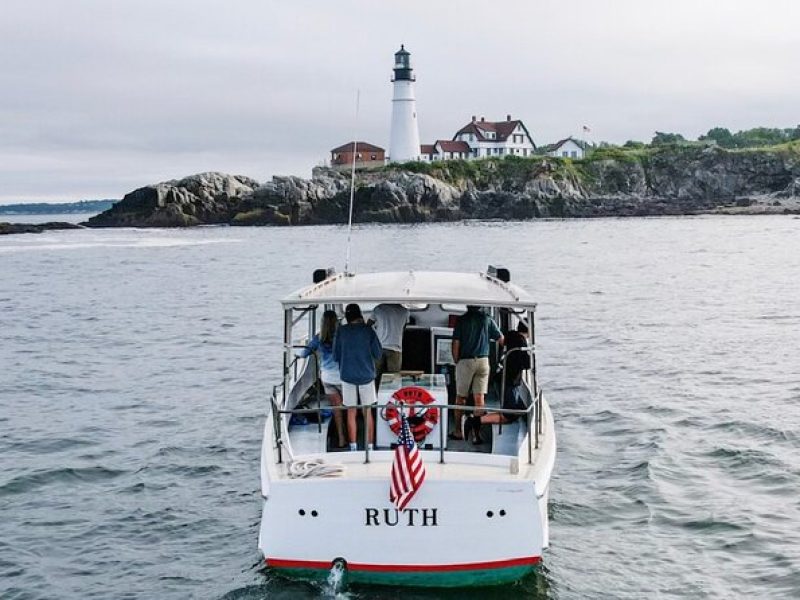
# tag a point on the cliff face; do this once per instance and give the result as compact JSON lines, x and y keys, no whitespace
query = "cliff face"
{"x":652,"y":181}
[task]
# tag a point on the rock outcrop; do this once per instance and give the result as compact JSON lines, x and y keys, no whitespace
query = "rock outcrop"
{"x":9,"y":228}
{"x":653,"y":181}
{"x":200,"y":199}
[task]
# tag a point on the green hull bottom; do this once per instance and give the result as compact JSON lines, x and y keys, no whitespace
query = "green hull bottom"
{"x":427,"y":578}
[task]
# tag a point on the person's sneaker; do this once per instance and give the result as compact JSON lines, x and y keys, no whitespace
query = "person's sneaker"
{"x":353,"y":447}
{"x":466,"y":427}
{"x":476,"y":429}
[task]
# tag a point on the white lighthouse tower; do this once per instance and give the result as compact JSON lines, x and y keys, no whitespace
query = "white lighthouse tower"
{"x":404,"y":138}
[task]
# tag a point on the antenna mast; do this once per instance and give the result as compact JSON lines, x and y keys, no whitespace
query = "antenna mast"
{"x":352,"y":189}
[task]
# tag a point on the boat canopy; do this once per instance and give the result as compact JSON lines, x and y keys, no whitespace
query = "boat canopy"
{"x":412,"y":287}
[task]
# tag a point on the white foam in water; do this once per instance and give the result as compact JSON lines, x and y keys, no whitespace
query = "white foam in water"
{"x":39,"y":243}
{"x":337,"y":579}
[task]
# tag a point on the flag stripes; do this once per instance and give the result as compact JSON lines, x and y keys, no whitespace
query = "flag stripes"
{"x":408,"y":472}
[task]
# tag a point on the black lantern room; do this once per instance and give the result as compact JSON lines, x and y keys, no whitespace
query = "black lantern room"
{"x":402,"y":65}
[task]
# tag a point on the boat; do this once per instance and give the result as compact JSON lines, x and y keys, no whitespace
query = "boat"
{"x":480,"y":515}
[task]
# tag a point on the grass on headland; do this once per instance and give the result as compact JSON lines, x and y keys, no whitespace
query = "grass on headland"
{"x":486,"y":171}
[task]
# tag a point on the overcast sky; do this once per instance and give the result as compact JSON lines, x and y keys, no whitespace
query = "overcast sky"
{"x":98,"y":97}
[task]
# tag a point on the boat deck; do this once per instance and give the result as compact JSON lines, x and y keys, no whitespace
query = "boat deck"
{"x":457,"y":466}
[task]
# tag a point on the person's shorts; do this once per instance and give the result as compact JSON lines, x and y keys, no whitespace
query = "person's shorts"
{"x":354,"y":395}
{"x":472,"y":373}
{"x":332,"y":388}
{"x":390,"y":361}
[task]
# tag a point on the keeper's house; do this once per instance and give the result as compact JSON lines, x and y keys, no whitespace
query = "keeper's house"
{"x":367,"y":155}
{"x":482,"y":139}
{"x":566,"y":148}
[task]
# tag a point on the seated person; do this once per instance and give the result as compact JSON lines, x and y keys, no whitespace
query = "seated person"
{"x":513,"y":401}
{"x":519,"y":360}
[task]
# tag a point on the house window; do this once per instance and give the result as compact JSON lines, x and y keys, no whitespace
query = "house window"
{"x":574,"y":154}
{"x":373,"y":157}
{"x":358,"y":156}
{"x":565,"y":154}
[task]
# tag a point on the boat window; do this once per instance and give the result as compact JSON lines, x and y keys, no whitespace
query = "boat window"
{"x":304,"y":325}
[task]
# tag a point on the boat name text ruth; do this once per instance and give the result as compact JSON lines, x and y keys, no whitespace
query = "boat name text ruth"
{"x":410,"y":517}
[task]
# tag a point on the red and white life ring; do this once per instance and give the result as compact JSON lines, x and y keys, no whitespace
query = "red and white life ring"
{"x":421,"y":417}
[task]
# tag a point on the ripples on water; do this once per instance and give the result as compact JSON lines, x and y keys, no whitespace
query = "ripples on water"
{"x":134,"y":368}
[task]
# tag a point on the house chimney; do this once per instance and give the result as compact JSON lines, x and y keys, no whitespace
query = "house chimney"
{"x":508,"y":117}
{"x":482,"y":119}
{"x":473,"y":118}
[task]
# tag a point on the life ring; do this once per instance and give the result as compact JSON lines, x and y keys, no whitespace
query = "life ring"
{"x":421,"y":417}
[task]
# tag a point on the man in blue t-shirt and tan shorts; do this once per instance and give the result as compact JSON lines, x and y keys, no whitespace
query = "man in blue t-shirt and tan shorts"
{"x":471,"y":337}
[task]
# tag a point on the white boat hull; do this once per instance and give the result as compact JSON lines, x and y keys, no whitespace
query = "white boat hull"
{"x":452,"y":533}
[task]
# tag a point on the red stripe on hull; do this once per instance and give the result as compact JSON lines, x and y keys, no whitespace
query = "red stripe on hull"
{"x":318,"y":564}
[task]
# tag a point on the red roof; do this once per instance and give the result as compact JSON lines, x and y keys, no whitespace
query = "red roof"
{"x":427,"y":149}
{"x":362,"y":147}
{"x":502,"y":129}
{"x":451,"y":146}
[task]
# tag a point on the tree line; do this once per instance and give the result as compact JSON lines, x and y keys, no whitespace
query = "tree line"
{"x":757,"y":137}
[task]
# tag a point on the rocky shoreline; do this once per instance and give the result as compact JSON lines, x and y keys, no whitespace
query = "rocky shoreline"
{"x":672,"y":180}
{"x":9,"y":228}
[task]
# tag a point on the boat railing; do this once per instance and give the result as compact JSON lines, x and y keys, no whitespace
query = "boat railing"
{"x":533,"y":413}
{"x":279,"y":413}
{"x":279,"y":391}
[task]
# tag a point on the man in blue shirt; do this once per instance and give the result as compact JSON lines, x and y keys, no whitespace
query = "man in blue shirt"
{"x":471,"y":337}
{"x":356,"y":348}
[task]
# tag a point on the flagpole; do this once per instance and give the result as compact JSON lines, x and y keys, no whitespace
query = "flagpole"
{"x":352,"y":188}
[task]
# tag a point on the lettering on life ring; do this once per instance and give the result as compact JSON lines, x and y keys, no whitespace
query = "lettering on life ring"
{"x":421,"y":417}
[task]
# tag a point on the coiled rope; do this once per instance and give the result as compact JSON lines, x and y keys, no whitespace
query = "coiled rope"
{"x":314,"y":467}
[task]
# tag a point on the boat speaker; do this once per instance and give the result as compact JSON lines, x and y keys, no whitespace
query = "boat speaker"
{"x":323,"y":274}
{"x":499,"y":272}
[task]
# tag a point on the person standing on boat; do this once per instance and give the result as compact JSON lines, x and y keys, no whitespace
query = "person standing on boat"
{"x":389,"y":321}
{"x":471,"y":335}
{"x":356,"y":348}
{"x":328,"y":367}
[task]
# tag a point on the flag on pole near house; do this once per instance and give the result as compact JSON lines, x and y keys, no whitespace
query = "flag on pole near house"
{"x":408,"y":472}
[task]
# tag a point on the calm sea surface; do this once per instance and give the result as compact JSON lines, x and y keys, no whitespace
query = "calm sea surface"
{"x":135,"y":364}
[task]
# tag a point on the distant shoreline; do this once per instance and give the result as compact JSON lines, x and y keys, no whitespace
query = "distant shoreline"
{"x":56,"y":208}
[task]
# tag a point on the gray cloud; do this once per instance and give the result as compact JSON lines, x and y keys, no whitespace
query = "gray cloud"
{"x":99,"y":97}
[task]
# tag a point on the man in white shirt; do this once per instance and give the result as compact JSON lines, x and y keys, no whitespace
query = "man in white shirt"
{"x":389,"y":321}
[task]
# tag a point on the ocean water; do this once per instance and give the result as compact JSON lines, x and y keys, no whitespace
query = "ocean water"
{"x":135,"y":367}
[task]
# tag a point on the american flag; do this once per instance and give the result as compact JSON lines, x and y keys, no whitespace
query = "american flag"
{"x":408,"y":472}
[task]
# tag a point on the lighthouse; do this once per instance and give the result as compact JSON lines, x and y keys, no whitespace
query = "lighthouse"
{"x":404,"y":138}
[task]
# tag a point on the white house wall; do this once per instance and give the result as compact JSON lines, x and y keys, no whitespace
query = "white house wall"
{"x":572,"y":150}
